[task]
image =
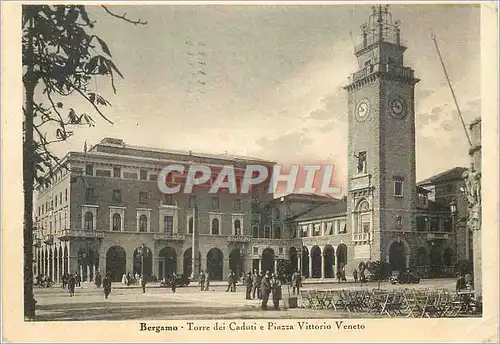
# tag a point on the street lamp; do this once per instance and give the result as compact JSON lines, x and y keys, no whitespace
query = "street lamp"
{"x":142,"y":250}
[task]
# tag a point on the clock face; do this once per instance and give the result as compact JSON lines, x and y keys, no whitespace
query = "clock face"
{"x":363,"y":110}
{"x":397,"y":108}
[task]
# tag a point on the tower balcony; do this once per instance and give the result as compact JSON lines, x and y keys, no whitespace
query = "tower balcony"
{"x":67,"y":234}
{"x":169,"y":237}
{"x":239,"y":238}
{"x":438,"y":236}
{"x":389,"y":69}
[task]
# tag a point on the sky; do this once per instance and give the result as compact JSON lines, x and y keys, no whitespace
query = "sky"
{"x":267,"y":81}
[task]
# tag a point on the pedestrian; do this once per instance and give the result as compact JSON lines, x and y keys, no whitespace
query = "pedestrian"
{"x":71,"y":285}
{"x":143,"y":284}
{"x":276,"y":291}
{"x":355,"y":275}
{"x":98,"y":280}
{"x":106,"y":284}
{"x":230,"y":280}
{"x":344,"y":279}
{"x":259,"y":291}
{"x":461,"y":284}
{"x":339,"y":276}
{"x":248,"y":284}
{"x":255,"y":284}
{"x":265,"y":286}
{"x":362,"y":278}
{"x":296,"y":282}
{"x":78,"y":280}
{"x":125,"y":279}
{"x":64,"y":280}
{"x":201,"y":283}
{"x":207,"y":281}
{"x":174,"y":282}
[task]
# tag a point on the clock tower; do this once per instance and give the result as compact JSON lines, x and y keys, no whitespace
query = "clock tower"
{"x":381,"y":198}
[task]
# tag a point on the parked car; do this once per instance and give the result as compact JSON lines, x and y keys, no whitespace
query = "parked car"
{"x":404,"y":277}
{"x":181,"y":281}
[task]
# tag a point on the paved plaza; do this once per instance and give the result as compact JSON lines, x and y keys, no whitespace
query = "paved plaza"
{"x":129,"y":303}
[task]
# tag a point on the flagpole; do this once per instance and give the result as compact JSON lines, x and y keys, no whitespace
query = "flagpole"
{"x":194,"y":247}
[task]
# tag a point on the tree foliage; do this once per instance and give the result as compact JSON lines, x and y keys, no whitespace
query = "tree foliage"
{"x":61,"y":56}
{"x":379,"y":270}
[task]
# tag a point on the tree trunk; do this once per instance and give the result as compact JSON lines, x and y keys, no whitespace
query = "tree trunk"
{"x":28,"y":181}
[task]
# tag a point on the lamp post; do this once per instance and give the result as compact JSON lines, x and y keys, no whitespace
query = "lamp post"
{"x":454,"y":212}
{"x":142,"y":251}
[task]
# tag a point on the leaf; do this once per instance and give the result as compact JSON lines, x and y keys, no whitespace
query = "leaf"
{"x":113,"y":66}
{"x":104,"y":46}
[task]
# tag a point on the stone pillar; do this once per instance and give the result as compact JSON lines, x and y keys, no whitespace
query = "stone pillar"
{"x":310,"y":264}
{"x":53,"y":262}
{"x":478,"y":275}
{"x":260,"y":265}
{"x":102,"y":265}
{"x":336,"y":266}
{"x":323,"y":265}
{"x":81,"y":272}
{"x":130,"y":265}
{"x":56,"y":269}
{"x":299,"y":263}
{"x":94,"y":271}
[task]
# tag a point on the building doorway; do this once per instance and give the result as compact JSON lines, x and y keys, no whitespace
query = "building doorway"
{"x":116,"y":262}
{"x":268,"y":260}
{"x":215,"y":260}
{"x":167,"y":262}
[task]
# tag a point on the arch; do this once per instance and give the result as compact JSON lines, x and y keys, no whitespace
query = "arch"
{"x":397,"y":256}
{"x":142,"y":261}
{"x":328,"y":256}
{"x":422,"y":257}
{"x":448,"y":257}
{"x":294,"y":259}
{"x":143,"y":223}
{"x":236,"y":262}
{"x":214,"y":264}
{"x":116,"y":262}
{"x":167,"y":262}
{"x":237,"y":227}
{"x":268,"y":259}
{"x":305,"y":262}
{"x":89,"y":221}
{"x":316,"y":262}
{"x":341,"y":257}
{"x":117,"y":222}
{"x":187,"y":266}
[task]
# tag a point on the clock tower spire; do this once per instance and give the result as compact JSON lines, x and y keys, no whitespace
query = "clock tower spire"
{"x":381,"y":141}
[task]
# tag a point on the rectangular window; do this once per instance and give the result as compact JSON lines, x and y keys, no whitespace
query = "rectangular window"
{"x":89,"y":194}
{"x":255,"y":251}
{"x":317,"y":230}
{"x":398,"y":188}
{"x":43,"y":209}
{"x":167,"y":199}
{"x":103,"y":173}
{"x":55,"y":200}
{"x":256,"y":219}
{"x":129,"y":175}
{"x":277,"y":232}
{"x":255,"y":232}
{"x":421,"y":224}
{"x":39,"y":213}
{"x":280,"y":250}
{"x":215,"y":202}
{"x":342,"y":226}
{"x":303,"y":231}
{"x":117,"y":172}
{"x":447,"y":225}
{"x":192,"y":201}
{"x":267,"y":232}
{"x":361,"y":168}
{"x":237,"y":204}
{"x":60,"y":198}
{"x":143,"y":197}
{"x":434,"y":224}
{"x":66,"y":195}
{"x":117,"y":195}
{"x":168,"y":222}
{"x":153,"y":177}
{"x":144,"y":174}
{"x":89,"y":170}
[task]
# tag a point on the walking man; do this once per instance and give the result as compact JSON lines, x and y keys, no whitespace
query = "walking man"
{"x":255,"y":284}
{"x":174,"y":282}
{"x":355,"y":275}
{"x":202,"y":280}
{"x":71,"y":285}
{"x":265,"y":286}
{"x":276,"y":290}
{"x":143,"y":284}
{"x":296,"y":282}
{"x":106,"y":284}
{"x":98,"y":279}
{"x":230,"y":281}
{"x":248,"y":285}
{"x":207,"y":281}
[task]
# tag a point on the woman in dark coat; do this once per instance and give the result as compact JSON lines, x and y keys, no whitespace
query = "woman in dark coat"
{"x":71,"y":285}
{"x":276,"y":291}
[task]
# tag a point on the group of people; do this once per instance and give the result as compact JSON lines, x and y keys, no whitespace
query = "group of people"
{"x":362,"y":276}
{"x":204,"y":281}
{"x":261,"y":286}
{"x":44,"y":281}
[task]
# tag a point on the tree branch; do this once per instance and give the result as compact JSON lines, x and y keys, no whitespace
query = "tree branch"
{"x":123,"y":17}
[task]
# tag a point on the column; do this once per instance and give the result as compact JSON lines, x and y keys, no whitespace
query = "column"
{"x":94,"y":271}
{"x":102,"y":264}
{"x":310,"y":264}
{"x":56,"y":269}
{"x":323,"y":265}
{"x":225,"y":268}
{"x":88,"y":279}
{"x":299,"y":263}
{"x":53,"y":262}
{"x":130,"y":265}
{"x":81,"y":273}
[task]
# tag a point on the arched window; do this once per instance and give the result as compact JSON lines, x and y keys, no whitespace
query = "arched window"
{"x":117,"y":222}
{"x":255,"y":231}
{"x":215,"y":226}
{"x":237,"y":227}
{"x":89,"y":221}
{"x":363,"y":222}
{"x":60,"y":221}
{"x":143,"y":223}
{"x":190,"y":225}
